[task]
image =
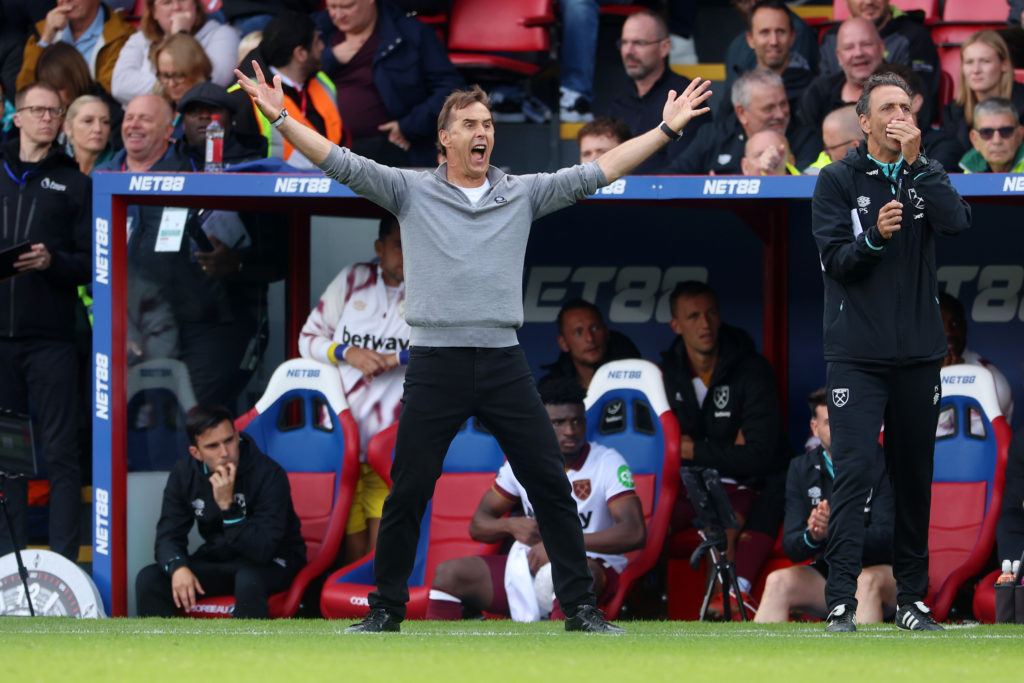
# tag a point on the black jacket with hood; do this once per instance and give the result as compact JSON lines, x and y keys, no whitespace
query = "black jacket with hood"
{"x":260,"y":526}
{"x":743,"y":394}
{"x":881,"y":297}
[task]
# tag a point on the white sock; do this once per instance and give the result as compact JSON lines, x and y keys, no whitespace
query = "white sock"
{"x":441,"y":595}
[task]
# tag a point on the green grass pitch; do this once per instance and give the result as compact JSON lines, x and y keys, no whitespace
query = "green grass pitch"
{"x":301,"y":651}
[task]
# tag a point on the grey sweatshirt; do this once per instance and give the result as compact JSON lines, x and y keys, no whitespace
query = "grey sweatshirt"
{"x":463,"y":263}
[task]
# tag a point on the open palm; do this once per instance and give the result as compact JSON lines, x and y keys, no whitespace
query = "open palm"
{"x":680,"y":110}
{"x":269,"y":98}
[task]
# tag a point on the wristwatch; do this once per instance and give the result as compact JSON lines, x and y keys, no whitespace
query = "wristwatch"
{"x":667,"y":130}
{"x":920,"y":163}
{"x":276,"y":123}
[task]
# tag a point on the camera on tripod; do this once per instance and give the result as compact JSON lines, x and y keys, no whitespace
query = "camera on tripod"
{"x":713,"y":515}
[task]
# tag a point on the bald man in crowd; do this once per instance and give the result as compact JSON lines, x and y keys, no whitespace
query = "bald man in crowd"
{"x":767,"y":153}
{"x":840,"y":131}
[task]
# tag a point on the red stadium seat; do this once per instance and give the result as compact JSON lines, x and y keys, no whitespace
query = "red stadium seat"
{"x":930,"y":7}
{"x":648,"y":438}
{"x":469,"y":468}
{"x":1018,"y":75}
{"x":984,"y":603}
{"x":479,"y":30}
{"x":967,"y":484}
{"x":976,"y":10}
{"x":949,"y":62}
{"x":614,"y":10}
{"x":955,"y":34}
{"x":946,"y":86}
{"x":303,"y":422}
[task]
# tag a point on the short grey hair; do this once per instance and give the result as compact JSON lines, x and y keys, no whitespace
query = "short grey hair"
{"x":995,"y":105}
{"x":877,"y":81}
{"x":741,"y":88}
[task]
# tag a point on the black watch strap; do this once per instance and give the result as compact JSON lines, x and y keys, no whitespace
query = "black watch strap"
{"x":672,"y":135}
{"x":276,"y":123}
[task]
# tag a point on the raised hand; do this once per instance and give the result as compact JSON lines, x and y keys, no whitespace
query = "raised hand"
{"x":909,"y":137}
{"x":680,"y":110}
{"x":269,"y":98}
{"x":223,"y":483}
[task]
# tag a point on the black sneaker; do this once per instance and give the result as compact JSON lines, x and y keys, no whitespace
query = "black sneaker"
{"x":916,"y":617}
{"x":590,"y":619}
{"x":378,"y":620}
{"x":841,"y":620}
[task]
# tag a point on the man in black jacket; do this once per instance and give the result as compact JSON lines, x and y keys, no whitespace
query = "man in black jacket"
{"x":46,"y":202}
{"x":644,"y":47}
{"x":808,"y":492}
{"x":725,"y":396}
{"x":883,"y":337}
{"x":586,"y":343}
{"x":242,"y":503}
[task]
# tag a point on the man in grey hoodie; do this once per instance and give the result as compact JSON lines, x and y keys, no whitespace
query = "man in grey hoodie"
{"x":465,"y":228}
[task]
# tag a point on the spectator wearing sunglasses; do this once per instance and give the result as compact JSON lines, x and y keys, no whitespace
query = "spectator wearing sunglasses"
{"x":996,"y":137}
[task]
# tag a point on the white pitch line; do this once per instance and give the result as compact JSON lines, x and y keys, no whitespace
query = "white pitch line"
{"x":730,"y":634}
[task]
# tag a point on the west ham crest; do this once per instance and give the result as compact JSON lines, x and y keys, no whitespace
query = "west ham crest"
{"x":721,"y":397}
{"x":840,"y":397}
{"x":581,"y":489}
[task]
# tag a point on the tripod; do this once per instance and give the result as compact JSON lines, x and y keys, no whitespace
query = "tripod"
{"x":713,"y":546}
{"x":713,"y":516}
{"x":22,"y":571}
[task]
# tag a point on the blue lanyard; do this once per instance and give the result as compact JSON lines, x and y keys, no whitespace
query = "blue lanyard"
{"x":24,"y":176}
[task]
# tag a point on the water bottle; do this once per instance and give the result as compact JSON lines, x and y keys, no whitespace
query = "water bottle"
{"x":214,"y":146}
{"x":1006,"y":577}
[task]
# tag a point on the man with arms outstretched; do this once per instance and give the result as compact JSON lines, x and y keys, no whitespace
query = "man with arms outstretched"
{"x":464,"y":232}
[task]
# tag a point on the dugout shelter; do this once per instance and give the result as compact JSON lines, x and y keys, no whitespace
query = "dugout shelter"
{"x":625,"y":248}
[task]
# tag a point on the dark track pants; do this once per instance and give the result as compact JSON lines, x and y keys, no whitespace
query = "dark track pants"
{"x":443,"y":388}
{"x":250,"y":584}
{"x":859,"y":398}
{"x":45,"y":373}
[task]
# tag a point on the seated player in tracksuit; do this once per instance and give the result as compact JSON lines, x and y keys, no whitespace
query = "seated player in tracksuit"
{"x":725,"y":397}
{"x":241,"y":501}
{"x":608,"y":508}
{"x":808,"y":490}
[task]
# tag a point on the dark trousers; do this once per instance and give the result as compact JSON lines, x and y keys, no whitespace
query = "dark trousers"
{"x":44,"y":372}
{"x":443,"y":388}
{"x":250,"y":584}
{"x":859,"y":398}
{"x":214,"y":353}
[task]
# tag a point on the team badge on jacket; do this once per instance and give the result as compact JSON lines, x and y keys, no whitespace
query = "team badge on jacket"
{"x":814,"y":493}
{"x":840,"y":397}
{"x":721,"y":397}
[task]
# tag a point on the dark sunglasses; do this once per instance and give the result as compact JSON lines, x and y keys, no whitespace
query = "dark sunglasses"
{"x":1004,"y":132}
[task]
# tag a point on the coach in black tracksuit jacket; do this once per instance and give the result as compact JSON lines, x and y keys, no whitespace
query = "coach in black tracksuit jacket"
{"x":253,"y":549}
{"x":44,"y":200}
{"x":883,"y":334}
